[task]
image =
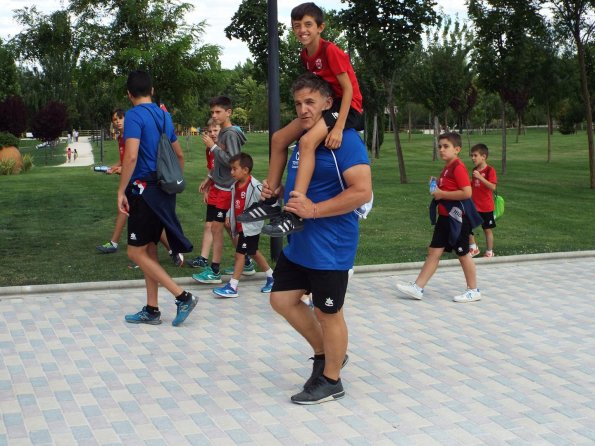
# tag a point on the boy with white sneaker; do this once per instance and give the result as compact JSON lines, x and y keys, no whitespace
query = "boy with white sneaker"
{"x":457,"y":216}
{"x":245,"y":191}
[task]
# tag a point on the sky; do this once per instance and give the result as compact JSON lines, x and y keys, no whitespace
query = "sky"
{"x":217,"y":14}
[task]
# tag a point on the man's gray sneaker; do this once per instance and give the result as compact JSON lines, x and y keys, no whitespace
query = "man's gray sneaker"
{"x":318,"y":369}
{"x":320,"y":391}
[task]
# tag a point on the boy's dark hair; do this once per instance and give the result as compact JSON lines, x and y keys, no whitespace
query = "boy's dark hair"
{"x":453,"y":137}
{"x":117,"y":111}
{"x":311,"y":81}
{"x":220,"y":101}
{"x":244,"y":159}
{"x":481,"y":148}
{"x":310,"y":9}
{"x":139,"y":84}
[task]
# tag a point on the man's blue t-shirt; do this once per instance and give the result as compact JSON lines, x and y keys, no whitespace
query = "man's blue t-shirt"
{"x":139,"y":124}
{"x":327,"y":243}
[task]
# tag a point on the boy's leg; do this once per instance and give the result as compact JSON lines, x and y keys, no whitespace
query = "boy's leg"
{"x":217,"y":233}
{"x":146,"y":258}
{"x":489,"y":239}
{"x":308,"y":144}
{"x":469,"y":270}
{"x":207,"y":240}
{"x":176,"y":257}
{"x":261,"y":261}
{"x":119,"y":227}
{"x":430,"y":266}
{"x":473,"y":249}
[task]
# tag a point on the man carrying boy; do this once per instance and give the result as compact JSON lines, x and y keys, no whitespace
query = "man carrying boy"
{"x":229,"y":144}
{"x":457,"y":216}
{"x":316,"y":260}
{"x":150,"y":209}
{"x":483,"y":184}
{"x":246,"y":190}
{"x":328,"y":61}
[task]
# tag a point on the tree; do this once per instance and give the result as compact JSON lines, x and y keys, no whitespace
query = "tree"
{"x":383,"y":33}
{"x":577,"y":19}
{"x":13,"y":115}
{"x":9,"y":84}
{"x":49,"y":123}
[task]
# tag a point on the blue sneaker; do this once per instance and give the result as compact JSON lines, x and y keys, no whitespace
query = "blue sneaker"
{"x":267,"y":286}
{"x":226,"y":291}
{"x":184,"y":309}
{"x":144,"y":317}
{"x":207,"y":276}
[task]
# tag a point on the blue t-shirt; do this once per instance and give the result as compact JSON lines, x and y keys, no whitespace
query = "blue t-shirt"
{"x":139,"y":124}
{"x":328,"y":243}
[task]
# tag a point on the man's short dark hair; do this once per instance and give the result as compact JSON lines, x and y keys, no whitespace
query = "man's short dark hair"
{"x":244,"y":159}
{"x":118,"y":112}
{"x":139,"y":84}
{"x":220,"y":101}
{"x":310,"y":9}
{"x":453,"y":137}
{"x":481,"y":148}
{"x":312,"y":82}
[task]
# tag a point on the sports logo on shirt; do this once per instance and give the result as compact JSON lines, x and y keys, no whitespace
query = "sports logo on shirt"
{"x":243,"y":195}
{"x":318,"y":64}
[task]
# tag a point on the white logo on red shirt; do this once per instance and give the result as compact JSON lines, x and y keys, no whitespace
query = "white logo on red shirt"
{"x":318,"y":64}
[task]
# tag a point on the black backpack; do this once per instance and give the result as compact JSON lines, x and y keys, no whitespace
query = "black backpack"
{"x":169,"y":173}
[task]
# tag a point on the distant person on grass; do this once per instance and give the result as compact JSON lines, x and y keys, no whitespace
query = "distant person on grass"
{"x":457,"y":216}
{"x":150,"y":210}
{"x":318,"y":259}
{"x":246,"y":190}
{"x":328,"y":61}
{"x":483,"y":185}
{"x":231,"y":140}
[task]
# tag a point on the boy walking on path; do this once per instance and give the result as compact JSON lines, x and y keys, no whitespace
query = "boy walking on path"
{"x":456,"y":218}
{"x":230,"y":143}
{"x":246,"y":190}
{"x":328,"y":61}
{"x":483,"y":184}
{"x":150,"y":209}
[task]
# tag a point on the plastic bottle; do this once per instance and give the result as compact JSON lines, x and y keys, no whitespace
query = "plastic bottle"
{"x":433,"y":184}
{"x":102,"y":169}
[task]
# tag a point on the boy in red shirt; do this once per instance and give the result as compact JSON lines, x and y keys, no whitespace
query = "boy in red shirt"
{"x":453,"y":189}
{"x":328,"y":61}
{"x":483,"y":185}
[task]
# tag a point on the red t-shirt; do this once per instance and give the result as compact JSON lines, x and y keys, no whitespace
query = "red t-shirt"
{"x":210,"y":159}
{"x":330,"y":61}
{"x":240,"y":201}
{"x":122,"y":147}
{"x":483,"y":197}
{"x":453,"y":177}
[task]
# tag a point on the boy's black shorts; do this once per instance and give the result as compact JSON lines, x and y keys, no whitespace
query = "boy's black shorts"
{"x":355,"y":119}
{"x":328,"y":287}
{"x":247,"y":244}
{"x":489,"y":221}
{"x":144,"y":226}
{"x":442,"y":232}
{"x":216,"y":214}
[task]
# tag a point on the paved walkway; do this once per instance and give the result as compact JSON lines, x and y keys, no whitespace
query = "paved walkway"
{"x":85,"y":153}
{"x":516,"y":368}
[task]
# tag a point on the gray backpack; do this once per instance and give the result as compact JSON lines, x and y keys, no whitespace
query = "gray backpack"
{"x":169,"y":173}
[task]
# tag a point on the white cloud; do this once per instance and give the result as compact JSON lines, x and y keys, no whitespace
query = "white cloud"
{"x":216,"y":13}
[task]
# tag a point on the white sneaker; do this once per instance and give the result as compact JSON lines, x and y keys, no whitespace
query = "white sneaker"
{"x":468,"y":296}
{"x":411,"y":290}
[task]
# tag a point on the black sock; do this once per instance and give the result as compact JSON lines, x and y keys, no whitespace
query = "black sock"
{"x":271,"y":200}
{"x":331,"y":381}
{"x":152,"y":310}
{"x":320,"y":356}
{"x":184,"y":297}
{"x":247,"y":261}
{"x":215,"y":267}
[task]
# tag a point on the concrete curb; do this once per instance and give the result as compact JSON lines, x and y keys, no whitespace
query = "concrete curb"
{"x":21,"y":291}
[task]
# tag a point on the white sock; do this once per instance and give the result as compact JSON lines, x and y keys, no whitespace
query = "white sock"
{"x":114,"y":244}
{"x":269,"y":273}
{"x":473,"y":246}
{"x":234,"y":283}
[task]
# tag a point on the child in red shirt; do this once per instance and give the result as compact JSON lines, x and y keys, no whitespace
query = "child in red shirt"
{"x":483,"y":185}
{"x":453,"y":186}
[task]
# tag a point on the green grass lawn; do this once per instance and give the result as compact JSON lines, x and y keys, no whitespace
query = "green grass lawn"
{"x":52,"y":218}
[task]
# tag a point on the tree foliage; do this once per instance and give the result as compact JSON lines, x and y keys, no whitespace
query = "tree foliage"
{"x":9,"y":79}
{"x":49,"y":122}
{"x":13,"y":115}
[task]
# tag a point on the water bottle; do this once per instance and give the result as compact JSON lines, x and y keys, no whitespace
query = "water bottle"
{"x":102,"y":169}
{"x":433,"y":184}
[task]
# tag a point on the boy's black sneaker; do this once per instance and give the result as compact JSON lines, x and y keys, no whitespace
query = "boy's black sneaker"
{"x":320,"y":391}
{"x":259,"y":211}
{"x":285,"y":224}
{"x":318,"y":369}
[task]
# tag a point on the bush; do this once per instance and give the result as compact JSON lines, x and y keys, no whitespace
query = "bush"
{"x":8,"y":139}
{"x":7,"y":166}
{"x":27,"y":163}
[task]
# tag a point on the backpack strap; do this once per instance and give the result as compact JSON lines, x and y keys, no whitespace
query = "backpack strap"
{"x":160,"y":129}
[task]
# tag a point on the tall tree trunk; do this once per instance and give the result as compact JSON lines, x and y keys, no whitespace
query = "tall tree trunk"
{"x":519,"y":124}
{"x":549,"y":131}
{"x":375,"y":136}
{"x":588,"y":111}
{"x":410,"y":123}
{"x":436,"y":135}
{"x":503,"y":137}
{"x":398,"y":147}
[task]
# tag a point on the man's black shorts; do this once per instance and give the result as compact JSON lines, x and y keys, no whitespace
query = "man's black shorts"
{"x":355,"y":119}
{"x":144,"y":226}
{"x":442,"y":233}
{"x":328,"y":287}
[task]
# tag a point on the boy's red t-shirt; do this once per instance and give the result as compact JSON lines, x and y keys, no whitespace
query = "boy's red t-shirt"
{"x":330,"y":61}
{"x":240,"y":201}
{"x":483,"y":197}
{"x":453,"y":177}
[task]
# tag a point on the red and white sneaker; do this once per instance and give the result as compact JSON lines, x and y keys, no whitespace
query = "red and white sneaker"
{"x":489,"y":254}
{"x":474,"y":251}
